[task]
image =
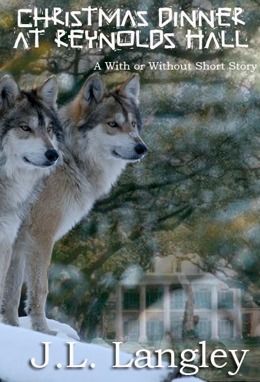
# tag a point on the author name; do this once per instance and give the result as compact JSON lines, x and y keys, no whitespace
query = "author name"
{"x":189,"y":361}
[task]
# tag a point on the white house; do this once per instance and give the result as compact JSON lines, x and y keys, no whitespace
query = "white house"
{"x":144,"y":309}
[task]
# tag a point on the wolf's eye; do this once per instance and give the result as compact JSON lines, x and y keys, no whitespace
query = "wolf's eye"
{"x":25,"y":128}
{"x":112,"y":124}
{"x":50,"y":128}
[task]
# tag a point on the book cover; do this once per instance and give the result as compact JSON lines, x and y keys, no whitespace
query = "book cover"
{"x":129,"y":191}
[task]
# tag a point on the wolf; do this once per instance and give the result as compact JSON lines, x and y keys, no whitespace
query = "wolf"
{"x":29,"y":131}
{"x":101,"y":135}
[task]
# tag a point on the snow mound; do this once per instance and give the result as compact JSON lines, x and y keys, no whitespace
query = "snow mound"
{"x":63,"y":330}
{"x":18,"y":346}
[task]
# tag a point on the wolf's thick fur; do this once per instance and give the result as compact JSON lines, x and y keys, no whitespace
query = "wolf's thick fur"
{"x":101,"y":137}
{"x":25,"y":119}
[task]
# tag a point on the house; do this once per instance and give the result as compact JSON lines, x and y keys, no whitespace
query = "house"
{"x":146,"y":307}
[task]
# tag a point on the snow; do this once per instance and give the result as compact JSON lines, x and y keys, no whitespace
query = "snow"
{"x":19,"y":345}
{"x":188,"y":379}
{"x":63,"y":330}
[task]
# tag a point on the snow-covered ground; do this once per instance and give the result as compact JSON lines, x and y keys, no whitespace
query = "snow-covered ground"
{"x":19,"y":345}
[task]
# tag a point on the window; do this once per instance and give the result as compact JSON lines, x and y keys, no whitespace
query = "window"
{"x":225,"y":328}
{"x":154,"y":296}
{"x":131,"y":329}
{"x":131,"y":299}
{"x":178,"y":299}
{"x":202,"y":299}
{"x":155,"y":330}
{"x":178,"y":266}
{"x":176,"y":328}
{"x":247,"y":324}
{"x":225,"y":299}
{"x":203,"y":328}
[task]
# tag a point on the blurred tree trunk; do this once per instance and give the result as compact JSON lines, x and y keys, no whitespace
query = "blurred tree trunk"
{"x":188,"y":318}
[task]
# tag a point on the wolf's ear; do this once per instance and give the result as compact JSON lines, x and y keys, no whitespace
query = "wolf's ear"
{"x":131,"y":88}
{"x":9,"y":91}
{"x":93,"y":89}
{"x":48,"y":91}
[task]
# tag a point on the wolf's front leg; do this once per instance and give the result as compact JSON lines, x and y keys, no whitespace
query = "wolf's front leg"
{"x":5,"y":258}
{"x":13,"y":284}
{"x":9,"y":225}
{"x":38,"y":261}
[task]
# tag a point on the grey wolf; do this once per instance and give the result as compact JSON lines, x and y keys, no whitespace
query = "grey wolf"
{"x":101,"y":135}
{"x":28,"y":150}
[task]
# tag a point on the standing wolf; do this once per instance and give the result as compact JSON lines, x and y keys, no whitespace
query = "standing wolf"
{"x":28,"y":140}
{"x":101,"y":136}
